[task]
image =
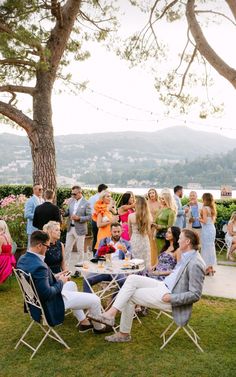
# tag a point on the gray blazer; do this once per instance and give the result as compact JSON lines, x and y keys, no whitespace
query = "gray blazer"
{"x":187,"y":289}
{"x":85,"y":213}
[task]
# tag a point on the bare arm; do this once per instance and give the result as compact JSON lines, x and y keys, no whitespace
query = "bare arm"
{"x":129,"y":226}
{"x":203,"y":218}
{"x":63,"y":263}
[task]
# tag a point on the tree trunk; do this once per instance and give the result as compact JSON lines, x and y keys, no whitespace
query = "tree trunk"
{"x":41,"y":137}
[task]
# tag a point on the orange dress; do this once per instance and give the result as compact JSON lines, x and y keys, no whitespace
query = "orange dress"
{"x":104,"y":231}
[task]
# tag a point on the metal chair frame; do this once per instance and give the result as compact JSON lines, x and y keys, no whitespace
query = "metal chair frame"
{"x":31,"y":297}
{"x":187,"y":329}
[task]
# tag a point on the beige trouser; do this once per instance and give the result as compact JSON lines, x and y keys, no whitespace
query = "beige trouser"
{"x":139,"y":290}
{"x":71,"y":238}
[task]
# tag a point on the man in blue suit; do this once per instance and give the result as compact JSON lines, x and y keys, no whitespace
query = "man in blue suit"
{"x":56,"y":293}
{"x":117,"y":242}
{"x":35,"y":200}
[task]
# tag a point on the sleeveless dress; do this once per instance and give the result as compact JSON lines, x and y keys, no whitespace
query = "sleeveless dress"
{"x":229,"y":239}
{"x":140,"y":245}
{"x":208,"y":235}
{"x":124,"y":224}
{"x":7,"y":261}
{"x":166,"y":262}
{"x":53,"y":257}
{"x":105,"y":231}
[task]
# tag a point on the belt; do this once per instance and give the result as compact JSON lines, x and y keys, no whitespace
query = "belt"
{"x":72,"y":224}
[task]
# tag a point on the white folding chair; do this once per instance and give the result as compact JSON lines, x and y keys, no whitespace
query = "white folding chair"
{"x":187,"y":329}
{"x":31,"y":298}
{"x":220,"y":243}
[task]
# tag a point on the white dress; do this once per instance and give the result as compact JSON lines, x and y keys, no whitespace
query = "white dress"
{"x":229,"y":239}
{"x":140,"y":245}
{"x":208,"y":235}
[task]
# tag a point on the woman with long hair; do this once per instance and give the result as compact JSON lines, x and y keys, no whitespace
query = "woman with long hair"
{"x":230,"y":237}
{"x":126,"y":207}
{"x":55,"y":254}
{"x":154,"y":206}
{"x":139,"y":229}
{"x":104,"y":216}
{"x":7,"y":259}
{"x":165,"y":217}
{"x":169,"y":255}
{"x":208,"y":235}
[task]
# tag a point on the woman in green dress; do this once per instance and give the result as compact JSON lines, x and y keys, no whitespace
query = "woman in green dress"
{"x":165,"y":217}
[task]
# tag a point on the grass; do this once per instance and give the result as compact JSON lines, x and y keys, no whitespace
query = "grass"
{"x":90,"y":355}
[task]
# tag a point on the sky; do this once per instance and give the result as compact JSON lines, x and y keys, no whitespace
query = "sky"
{"x":119,"y":98}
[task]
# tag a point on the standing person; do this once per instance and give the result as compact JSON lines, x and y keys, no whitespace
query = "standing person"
{"x":92,"y":200}
{"x":139,"y":229}
{"x":126,"y":207}
{"x":165,"y":217}
{"x":7,"y":259}
{"x":103,"y":216}
{"x":207,"y":219}
{"x":79,"y":213}
{"x":55,"y":254}
{"x":180,"y":218}
{"x":193,"y":214}
{"x":47,"y":211}
{"x":154,"y":206}
{"x":56,"y":292}
{"x":30,"y":205}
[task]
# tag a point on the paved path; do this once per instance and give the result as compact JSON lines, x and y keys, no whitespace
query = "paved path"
{"x":222,"y":284}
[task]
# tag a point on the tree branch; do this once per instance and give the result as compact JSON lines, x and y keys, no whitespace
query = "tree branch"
{"x":205,"y":49}
{"x":13,"y":61}
{"x":17,"y":116}
{"x":17,"y":89}
{"x":232,"y":6}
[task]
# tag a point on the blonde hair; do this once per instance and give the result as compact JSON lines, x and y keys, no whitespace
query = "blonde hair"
{"x":169,"y":199}
{"x":48,"y":228}
{"x":208,"y":201}
{"x":232,"y":217}
{"x":143,"y":215}
{"x":103,"y":194}
{"x":5,"y":229}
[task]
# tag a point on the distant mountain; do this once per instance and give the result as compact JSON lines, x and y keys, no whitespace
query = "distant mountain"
{"x":123,"y":157}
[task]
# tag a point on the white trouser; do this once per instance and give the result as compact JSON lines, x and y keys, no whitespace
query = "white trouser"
{"x":77,"y":301}
{"x":71,"y":238}
{"x":139,"y":290}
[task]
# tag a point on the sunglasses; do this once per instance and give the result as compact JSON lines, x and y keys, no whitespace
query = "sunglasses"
{"x":47,"y":246}
{"x":40,"y":189}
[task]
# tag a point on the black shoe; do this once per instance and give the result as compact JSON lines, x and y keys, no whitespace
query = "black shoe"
{"x":76,"y":274}
{"x":104,"y":330}
{"x":85,"y":328}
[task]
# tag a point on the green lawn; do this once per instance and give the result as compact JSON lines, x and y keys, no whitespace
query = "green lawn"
{"x":90,"y":355}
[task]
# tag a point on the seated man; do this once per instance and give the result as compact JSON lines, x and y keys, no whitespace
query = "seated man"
{"x":56,"y":293}
{"x":176,"y":293}
{"x":122,"y":247}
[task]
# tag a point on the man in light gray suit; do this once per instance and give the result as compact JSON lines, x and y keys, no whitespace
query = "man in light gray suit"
{"x":30,"y":205}
{"x":180,"y":218}
{"x":176,"y":293}
{"x":79,"y":213}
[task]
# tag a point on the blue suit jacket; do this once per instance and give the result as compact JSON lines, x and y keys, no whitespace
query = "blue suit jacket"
{"x":30,"y":206}
{"x":48,"y":288}
{"x":107,"y":240}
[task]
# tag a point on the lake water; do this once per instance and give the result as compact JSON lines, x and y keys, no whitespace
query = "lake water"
{"x":143,"y":191}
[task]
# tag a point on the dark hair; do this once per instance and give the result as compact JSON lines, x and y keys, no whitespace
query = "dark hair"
{"x":102,"y":187}
{"x":193,"y":237}
{"x":125,"y":198}
{"x":177,"y":188}
{"x":115,"y":224}
{"x":38,"y":237}
{"x":37,"y":184}
{"x":49,"y":194}
{"x":76,"y":188}
{"x":175,"y":230}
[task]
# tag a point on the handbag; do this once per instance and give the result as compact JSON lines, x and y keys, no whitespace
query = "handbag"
{"x":161,"y":234}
